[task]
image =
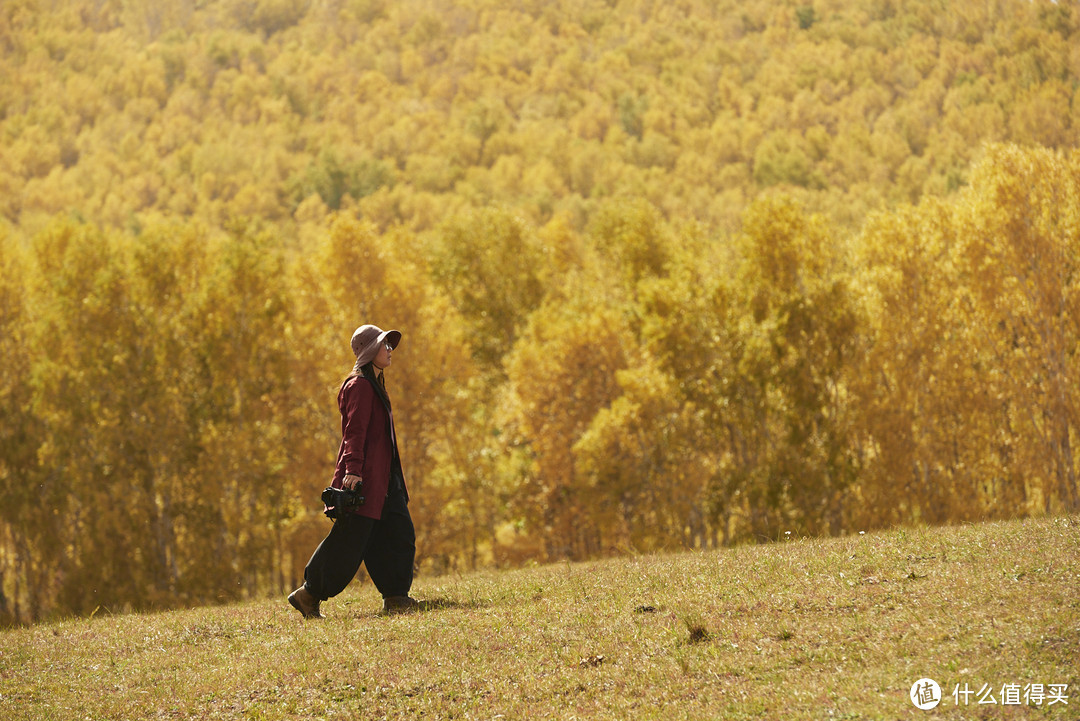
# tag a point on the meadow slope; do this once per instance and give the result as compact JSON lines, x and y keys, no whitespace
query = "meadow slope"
{"x":807,"y":628}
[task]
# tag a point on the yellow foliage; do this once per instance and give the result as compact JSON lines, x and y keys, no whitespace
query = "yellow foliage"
{"x":668,"y":274}
{"x":407,"y":84}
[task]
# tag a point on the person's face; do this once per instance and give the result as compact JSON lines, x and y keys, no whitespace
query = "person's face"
{"x":382,"y":358}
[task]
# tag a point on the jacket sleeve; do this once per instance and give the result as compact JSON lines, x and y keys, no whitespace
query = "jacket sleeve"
{"x":356,"y":404}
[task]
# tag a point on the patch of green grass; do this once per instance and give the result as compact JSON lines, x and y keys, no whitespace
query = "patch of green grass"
{"x":833,"y":628}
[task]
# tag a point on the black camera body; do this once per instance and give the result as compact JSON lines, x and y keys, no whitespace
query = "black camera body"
{"x":339,"y":501}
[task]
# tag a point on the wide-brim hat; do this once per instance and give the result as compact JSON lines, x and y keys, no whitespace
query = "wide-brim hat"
{"x":367,"y":339}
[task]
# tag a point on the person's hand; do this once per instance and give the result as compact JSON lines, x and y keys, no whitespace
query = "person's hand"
{"x":351,"y":482}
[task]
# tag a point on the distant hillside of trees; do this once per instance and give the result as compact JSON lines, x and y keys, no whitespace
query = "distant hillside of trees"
{"x":410,"y":112}
{"x":669,"y":274}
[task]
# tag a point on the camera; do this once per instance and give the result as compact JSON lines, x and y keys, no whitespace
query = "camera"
{"x":339,"y":501}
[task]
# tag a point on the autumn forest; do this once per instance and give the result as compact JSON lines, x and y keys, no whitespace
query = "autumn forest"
{"x":670,"y":274}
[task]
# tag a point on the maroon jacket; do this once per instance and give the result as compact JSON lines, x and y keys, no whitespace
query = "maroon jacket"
{"x":368,"y":442}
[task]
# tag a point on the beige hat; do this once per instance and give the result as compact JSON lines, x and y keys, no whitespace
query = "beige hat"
{"x":366,"y":340}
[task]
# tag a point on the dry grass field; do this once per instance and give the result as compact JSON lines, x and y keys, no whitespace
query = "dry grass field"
{"x":801,"y":628}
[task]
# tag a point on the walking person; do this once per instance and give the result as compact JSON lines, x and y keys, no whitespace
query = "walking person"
{"x":379,"y":532}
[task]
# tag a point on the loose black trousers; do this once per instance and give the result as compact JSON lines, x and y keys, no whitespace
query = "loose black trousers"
{"x":387,"y":547}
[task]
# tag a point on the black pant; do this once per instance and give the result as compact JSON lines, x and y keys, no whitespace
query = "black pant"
{"x":387,"y":547}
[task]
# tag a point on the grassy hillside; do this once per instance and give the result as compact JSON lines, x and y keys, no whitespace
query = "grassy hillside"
{"x":836,"y":628}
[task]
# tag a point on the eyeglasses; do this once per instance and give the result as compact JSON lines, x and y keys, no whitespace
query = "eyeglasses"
{"x":388,"y":346}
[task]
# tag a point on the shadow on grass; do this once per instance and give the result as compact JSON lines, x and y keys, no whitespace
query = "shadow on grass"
{"x":440,"y":604}
{"x":429,"y":605}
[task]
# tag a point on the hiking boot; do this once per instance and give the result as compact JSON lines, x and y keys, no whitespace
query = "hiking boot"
{"x":305,"y":602}
{"x":400,"y":604}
